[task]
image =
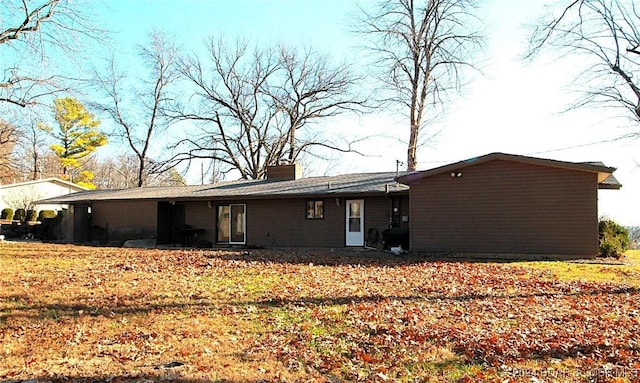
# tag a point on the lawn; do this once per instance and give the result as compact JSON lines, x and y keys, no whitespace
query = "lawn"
{"x":71,"y":313}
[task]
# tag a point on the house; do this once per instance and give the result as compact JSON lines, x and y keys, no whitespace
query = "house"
{"x":508,"y":205}
{"x":281,"y":210}
{"x":498,"y":205}
{"x":23,"y":194}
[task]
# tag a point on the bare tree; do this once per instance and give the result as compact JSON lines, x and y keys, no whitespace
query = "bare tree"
{"x":312,"y":90}
{"x":30,"y":152}
{"x":256,"y":107}
{"x":8,"y":138}
{"x":120,"y":172}
{"x":23,"y":198}
{"x":27,"y":28}
{"x":421,"y":49}
{"x":115,"y":172}
{"x":634,"y":237}
{"x":48,"y":165}
{"x":606,"y":33}
{"x":140,"y":117}
{"x":29,"y":32}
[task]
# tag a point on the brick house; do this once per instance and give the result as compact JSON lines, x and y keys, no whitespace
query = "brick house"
{"x":281,"y":210}
{"x":509,"y":205}
{"x":495,"y":205}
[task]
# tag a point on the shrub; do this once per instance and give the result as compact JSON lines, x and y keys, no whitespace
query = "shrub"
{"x":46,"y":214}
{"x":7,"y":213}
{"x":32,"y":215}
{"x":20,"y":215}
{"x":614,"y":238}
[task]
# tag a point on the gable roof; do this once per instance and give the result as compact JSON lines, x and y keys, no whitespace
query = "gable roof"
{"x":605,"y":177}
{"x":53,"y":180}
{"x":341,"y":185}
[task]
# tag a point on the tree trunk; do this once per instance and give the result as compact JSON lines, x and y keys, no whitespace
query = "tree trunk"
{"x":292,"y":144}
{"x":413,"y":148}
{"x":35,"y":164}
{"x":140,"y":172}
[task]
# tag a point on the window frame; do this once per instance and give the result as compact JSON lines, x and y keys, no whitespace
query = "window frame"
{"x":311,"y":206}
{"x":231,"y":226}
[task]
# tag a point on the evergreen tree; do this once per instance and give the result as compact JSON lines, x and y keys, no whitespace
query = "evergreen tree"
{"x":77,"y":137}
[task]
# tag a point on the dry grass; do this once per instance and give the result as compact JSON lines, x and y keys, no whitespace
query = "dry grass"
{"x":110,"y":314}
{"x":633,"y":256}
{"x":79,"y":312}
{"x":623,"y":271}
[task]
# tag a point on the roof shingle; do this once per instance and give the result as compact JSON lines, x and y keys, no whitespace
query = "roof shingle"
{"x":346,"y":184}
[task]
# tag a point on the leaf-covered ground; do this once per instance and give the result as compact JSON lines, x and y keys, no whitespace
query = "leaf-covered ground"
{"x":70,"y":313}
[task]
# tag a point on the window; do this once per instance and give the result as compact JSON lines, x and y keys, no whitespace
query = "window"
{"x":315,"y":209}
{"x":355,"y":217}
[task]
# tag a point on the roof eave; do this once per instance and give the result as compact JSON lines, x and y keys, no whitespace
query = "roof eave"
{"x":603,"y":171}
{"x":328,"y":194}
{"x":606,"y":186}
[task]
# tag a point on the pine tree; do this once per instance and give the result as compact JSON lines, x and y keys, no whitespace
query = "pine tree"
{"x":77,"y":137}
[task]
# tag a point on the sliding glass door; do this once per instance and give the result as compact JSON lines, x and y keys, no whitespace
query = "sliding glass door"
{"x":232,"y":223}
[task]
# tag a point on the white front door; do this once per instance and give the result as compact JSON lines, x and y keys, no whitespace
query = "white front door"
{"x":355,"y":222}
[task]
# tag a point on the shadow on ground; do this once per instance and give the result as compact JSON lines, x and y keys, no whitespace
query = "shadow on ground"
{"x":346,"y":257}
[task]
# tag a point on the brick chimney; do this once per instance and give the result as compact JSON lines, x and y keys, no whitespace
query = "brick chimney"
{"x":288,"y":172}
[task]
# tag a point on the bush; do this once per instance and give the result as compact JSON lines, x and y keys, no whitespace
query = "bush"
{"x":32,"y":215}
{"x":46,"y":214}
{"x":614,"y":238}
{"x":7,"y":213}
{"x":19,"y":215}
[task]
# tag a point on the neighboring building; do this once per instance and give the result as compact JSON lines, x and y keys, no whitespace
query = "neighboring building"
{"x":496,"y":205}
{"x":20,"y":194}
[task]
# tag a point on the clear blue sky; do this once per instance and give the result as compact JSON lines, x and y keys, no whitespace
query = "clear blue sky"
{"x":514,"y":108}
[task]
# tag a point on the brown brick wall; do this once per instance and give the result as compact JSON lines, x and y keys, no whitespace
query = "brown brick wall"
{"x":377,"y":213}
{"x":284,"y":172}
{"x":201,"y":216}
{"x":506,"y":207}
{"x":283,"y":222}
{"x":270,"y":223}
{"x":125,"y":219}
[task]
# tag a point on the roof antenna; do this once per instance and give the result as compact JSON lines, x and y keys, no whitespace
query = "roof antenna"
{"x":398,"y":164}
